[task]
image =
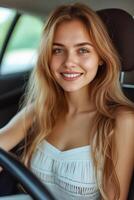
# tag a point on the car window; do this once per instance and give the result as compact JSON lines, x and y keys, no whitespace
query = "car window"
{"x":21,"y":52}
{"x":6,"y":18}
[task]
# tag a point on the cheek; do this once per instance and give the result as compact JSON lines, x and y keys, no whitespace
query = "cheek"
{"x":53,"y":66}
{"x":91,"y":64}
{"x":55,"y":63}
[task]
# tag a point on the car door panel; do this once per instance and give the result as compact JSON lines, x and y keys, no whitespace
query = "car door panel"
{"x":10,"y":94}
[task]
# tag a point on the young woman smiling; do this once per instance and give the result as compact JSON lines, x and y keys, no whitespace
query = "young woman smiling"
{"x":76,"y":117}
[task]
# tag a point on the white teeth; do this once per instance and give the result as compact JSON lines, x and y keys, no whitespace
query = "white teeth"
{"x":71,"y":75}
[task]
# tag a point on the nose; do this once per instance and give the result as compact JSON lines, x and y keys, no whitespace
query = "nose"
{"x":70,"y":60}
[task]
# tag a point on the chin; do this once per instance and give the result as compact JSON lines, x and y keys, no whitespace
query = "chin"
{"x":71,"y":89}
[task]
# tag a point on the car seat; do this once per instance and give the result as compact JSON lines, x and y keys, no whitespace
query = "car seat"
{"x":120,"y":26}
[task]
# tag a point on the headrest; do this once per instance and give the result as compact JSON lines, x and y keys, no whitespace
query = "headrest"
{"x":120,"y":26}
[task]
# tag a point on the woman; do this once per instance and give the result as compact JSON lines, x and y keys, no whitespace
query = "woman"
{"x":76,"y":118}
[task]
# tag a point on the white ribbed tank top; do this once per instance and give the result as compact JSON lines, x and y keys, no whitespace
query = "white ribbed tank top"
{"x":69,"y":174}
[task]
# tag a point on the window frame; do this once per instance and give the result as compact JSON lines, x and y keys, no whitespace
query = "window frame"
{"x":8,"y":36}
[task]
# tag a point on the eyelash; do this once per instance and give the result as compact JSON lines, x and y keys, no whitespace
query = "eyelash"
{"x":84,"y":50}
{"x":54,"y":51}
{"x":57,"y":51}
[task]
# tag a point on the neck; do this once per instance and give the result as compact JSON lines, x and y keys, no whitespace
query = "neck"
{"x":79,"y":101}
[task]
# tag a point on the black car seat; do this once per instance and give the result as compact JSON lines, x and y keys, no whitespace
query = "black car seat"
{"x":120,"y":26}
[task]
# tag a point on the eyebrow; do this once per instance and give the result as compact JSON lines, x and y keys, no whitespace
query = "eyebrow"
{"x":76,"y":45}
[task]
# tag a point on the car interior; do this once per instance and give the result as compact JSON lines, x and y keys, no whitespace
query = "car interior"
{"x":119,"y":21}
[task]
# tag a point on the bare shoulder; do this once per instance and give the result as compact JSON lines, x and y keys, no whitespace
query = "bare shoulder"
{"x":124,"y":117}
{"x":24,"y":116}
{"x":124,"y":138}
{"x":26,"y":113}
{"x":124,"y":110}
{"x":124,"y":129}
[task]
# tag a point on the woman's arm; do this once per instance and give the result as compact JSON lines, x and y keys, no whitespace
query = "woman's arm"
{"x":124,"y":138}
{"x":14,"y":131}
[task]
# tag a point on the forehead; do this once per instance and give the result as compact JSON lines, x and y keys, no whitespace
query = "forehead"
{"x":71,"y":31}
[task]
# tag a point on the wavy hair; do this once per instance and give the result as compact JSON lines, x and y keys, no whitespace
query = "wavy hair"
{"x":49,"y":100}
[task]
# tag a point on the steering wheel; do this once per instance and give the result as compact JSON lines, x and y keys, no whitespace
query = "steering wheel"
{"x":29,"y":181}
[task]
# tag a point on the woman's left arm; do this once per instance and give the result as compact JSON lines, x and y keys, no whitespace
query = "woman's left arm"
{"x":124,"y":138}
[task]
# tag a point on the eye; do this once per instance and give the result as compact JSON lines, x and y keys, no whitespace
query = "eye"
{"x":84,"y":50}
{"x":57,"y":51}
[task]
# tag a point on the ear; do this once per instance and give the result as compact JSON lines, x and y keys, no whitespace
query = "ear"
{"x":101,"y":62}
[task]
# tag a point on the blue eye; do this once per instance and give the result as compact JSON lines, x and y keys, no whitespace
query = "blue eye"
{"x":83,"y":51}
{"x":57,"y":51}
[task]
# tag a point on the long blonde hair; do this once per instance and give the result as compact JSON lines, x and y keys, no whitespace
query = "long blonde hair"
{"x":48,"y":97}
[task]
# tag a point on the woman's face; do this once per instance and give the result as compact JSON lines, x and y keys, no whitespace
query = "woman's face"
{"x":74,"y":61}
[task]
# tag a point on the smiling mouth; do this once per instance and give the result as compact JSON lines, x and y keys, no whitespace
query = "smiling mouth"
{"x":71,"y":76}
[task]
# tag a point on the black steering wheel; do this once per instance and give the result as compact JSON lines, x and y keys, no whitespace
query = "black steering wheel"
{"x":29,"y":181}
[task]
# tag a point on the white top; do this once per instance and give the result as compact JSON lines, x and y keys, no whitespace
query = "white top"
{"x":69,"y":174}
{"x":16,"y":197}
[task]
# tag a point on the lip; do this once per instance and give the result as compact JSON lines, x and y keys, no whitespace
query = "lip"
{"x":71,"y":72}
